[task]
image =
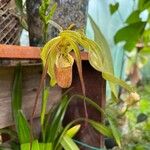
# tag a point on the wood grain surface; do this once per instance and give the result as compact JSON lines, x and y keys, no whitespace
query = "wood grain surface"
{"x":26,"y":52}
{"x":31,"y":79}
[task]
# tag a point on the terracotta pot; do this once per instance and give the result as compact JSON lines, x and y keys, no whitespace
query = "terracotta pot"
{"x":63,"y":76}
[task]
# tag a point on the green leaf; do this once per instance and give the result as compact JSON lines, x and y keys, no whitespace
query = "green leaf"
{"x":145,"y":51}
{"x":113,"y":7}
{"x":134,"y":17}
{"x":143,"y":4}
{"x":35,"y":145}
{"x":101,"y":128}
{"x":68,"y":144}
{"x":45,"y":146}
{"x":146,"y":36}
{"x":26,"y":146}
{"x":106,"y":54}
{"x":130,"y":34}
{"x":115,"y":131}
{"x":53,"y":129}
{"x":51,"y":13}
{"x":83,"y":98}
{"x":115,"y":80}
{"x":16,"y":100}
{"x":144,"y":106}
{"x":23,"y":128}
{"x":21,"y":123}
{"x":72,"y":131}
{"x":15,"y":145}
{"x":19,"y":4}
{"x":44,"y":104}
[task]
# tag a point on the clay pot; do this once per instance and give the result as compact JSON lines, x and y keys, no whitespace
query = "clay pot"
{"x":63,"y":76}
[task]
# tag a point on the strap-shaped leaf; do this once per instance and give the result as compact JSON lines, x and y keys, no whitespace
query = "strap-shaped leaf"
{"x":115,"y":80}
{"x":21,"y":123}
{"x":115,"y":131}
{"x":51,"y":13}
{"x":68,"y":144}
{"x":102,"y":43}
{"x":107,"y":70}
{"x":45,"y":146}
{"x":101,"y":128}
{"x":73,"y":131}
{"x":44,"y":104}
{"x":23,"y":128}
{"x":16,"y":100}
{"x":52,"y":130}
{"x":35,"y":146}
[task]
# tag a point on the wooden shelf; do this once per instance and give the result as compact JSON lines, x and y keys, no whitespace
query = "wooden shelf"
{"x":26,"y":52}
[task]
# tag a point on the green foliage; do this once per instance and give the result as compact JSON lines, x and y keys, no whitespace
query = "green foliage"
{"x":19,"y":4}
{"x":130,"y":34}
{"x":51,"y":124}
{"x":72,"y":131}
{"x":46,"y":15}
{"x":134,"y":30}
{"x":134,"y":17}
{"x":143,"y":4}
{"x":107,"y":66}
{"x":56,"y":136}
{"x":23,"y":129}
{"x":115,"y":131}
{"x":133,"y":123}
{"x":44,"y":104}
{"x":17,"y":91}
{"x":109,"y":131}
{"x":54,"y":127}
{"x":21,"y":13}
{"x":22,"y":125}
{"x":67,"y":141}
{"x":36,"y":146}
{"x":113,"y":7}
{"x":101,"y":128}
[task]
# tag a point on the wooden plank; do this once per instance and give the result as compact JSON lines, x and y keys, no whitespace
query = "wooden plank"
{"x":31,"y":78}
{"x":26,"y":52}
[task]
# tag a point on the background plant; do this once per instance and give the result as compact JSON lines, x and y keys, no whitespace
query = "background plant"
{"x":46,"y":13}
{"x":21,"y":13}
{"x":135,"y":37}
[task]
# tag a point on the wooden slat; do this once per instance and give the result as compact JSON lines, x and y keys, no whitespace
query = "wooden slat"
{"x":31,"y":78}
{"x":19,"y":52}
{"x":26,"y":52}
